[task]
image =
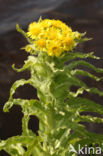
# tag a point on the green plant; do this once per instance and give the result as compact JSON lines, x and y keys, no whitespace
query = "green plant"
{"x":58,"y":108}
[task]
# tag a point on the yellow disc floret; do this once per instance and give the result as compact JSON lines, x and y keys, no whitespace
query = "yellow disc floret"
{"x":52,"y":36}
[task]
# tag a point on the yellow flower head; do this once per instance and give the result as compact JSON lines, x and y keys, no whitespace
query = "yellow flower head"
{"x":54,"y":48}
{"x":34,"y":30}
{"x":28,"y":48}
{"x":52,"y":36}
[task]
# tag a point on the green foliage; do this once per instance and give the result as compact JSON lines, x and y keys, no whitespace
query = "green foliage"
{"x":58,"y":108}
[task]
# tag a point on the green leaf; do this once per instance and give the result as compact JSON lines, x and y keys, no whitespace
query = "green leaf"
{"x":82,"y":104}
{"x":23,"y":33}
{"x":17,"y":84}
{"x":84,"y":73}
{"x":14,"y":145}
{"x":87,"y":118}
{"x":74,"y":64}
{"x":73,"y":55}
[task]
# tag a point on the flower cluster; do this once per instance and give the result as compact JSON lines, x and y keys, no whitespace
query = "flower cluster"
{"x":52,"y":36}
